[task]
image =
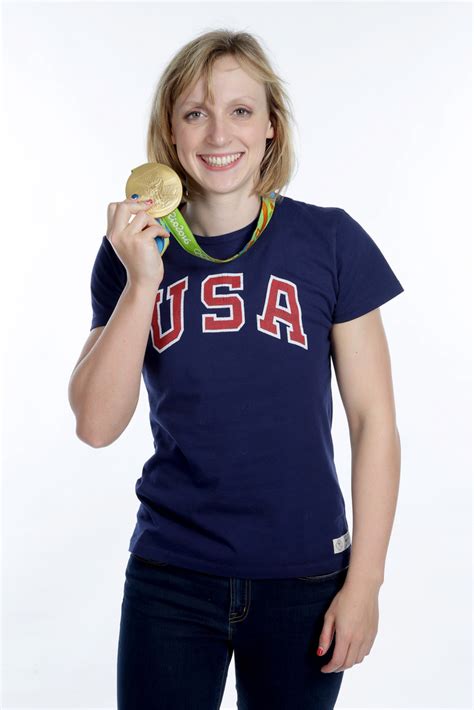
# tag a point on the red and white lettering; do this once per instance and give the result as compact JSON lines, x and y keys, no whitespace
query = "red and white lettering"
{"x":269,"y":322}
{"x":175,"y":295}
{"x":290,"y":314}
{"x":212,"y":323}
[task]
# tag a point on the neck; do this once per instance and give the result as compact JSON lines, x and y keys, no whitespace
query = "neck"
{"x":213,"y":215}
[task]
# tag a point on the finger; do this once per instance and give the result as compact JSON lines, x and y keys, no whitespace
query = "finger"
{"x":155,"y":222}
{"x":152,"y":221}
{"x":124,"y":210}
{"x":338,"y":656}
{"x":363,"y":652}
{"x":142,"y":220}
{"x":326,"y":635}
{"x":152,"y":232}
{"x":130,"y":202}
{"x":351,"y":657}
{"x":110,"y":215}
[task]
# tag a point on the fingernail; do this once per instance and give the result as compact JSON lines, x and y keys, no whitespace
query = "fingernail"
{"x":320,"y":651}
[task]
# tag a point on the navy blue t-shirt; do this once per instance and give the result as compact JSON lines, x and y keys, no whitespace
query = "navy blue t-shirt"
{"x":237,"y":368}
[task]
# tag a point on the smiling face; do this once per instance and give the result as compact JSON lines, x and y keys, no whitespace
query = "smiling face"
{"x":233,"y":129}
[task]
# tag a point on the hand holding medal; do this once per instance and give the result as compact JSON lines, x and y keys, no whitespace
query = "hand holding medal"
{"x":162,"y":184}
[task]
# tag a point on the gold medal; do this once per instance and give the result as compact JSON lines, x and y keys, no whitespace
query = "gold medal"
{"x":158,"y":182}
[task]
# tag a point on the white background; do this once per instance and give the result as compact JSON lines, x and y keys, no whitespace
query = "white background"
{"x":381,"y":93}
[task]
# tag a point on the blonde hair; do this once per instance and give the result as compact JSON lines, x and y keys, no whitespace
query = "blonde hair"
{"x":196,"y":59}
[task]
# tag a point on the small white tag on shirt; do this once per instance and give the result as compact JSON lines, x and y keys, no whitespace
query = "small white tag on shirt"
{"x":341,"y":543}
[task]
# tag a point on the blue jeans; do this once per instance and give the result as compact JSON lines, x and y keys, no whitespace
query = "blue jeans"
{"x":179,"y":629}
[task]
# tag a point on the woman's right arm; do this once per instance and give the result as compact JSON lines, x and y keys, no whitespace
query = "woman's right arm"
{"x":105,"y":385}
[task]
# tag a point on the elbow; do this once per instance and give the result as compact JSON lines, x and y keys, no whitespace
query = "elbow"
{"x":374,"y":421}
{"x":95,"y":441}
{"x":88,"y":440}
{"x":91,"y":440}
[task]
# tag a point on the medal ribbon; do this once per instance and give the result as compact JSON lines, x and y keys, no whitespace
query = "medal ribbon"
{"x":175,"y":223}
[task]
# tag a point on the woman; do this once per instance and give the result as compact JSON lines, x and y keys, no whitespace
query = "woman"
{"x":241,"y":543}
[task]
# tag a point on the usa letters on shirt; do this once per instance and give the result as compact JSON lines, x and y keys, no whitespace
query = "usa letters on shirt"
{"x":267,"y":322}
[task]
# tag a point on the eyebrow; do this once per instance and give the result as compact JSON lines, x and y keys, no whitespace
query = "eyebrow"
{"x":198,"y":103}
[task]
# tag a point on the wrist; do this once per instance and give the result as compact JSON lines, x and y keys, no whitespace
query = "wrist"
{"x":364,"y":580}
{"x":142,"y":287}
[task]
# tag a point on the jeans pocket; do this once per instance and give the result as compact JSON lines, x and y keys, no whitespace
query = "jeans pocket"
{"x":323,"y":577}
{"x":146,"y":561}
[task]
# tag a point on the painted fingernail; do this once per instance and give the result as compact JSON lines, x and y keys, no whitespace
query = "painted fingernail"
{"x":320,"y":651}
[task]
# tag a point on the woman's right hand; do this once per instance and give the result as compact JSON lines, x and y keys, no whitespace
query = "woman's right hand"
{"x":134,"y":241}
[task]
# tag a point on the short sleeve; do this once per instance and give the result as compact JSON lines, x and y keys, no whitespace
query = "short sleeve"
{"x":108,"y":279}
{"x":365,"y":279}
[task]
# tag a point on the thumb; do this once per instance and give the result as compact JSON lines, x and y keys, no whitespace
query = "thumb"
{"x":326,"y":635}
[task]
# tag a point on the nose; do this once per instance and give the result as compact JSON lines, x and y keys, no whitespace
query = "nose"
{"x":219,"y":131}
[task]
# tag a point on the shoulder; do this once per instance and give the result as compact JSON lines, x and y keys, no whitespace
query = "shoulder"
{"x":318,"y":213}
{"x":317,"y":219}
{"x":341,"y":228}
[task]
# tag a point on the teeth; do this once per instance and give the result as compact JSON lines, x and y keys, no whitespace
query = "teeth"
{"x":221,"y":161}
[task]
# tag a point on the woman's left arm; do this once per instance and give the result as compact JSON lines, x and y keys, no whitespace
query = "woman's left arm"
{"x":361,"y":360}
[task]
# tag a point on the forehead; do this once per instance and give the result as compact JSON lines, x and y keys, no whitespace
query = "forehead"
{"x":228,"y":81}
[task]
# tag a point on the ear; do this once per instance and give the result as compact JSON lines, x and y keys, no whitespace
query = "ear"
{"x":270,"y":131}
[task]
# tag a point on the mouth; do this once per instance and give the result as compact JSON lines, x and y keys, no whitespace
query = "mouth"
{"x":221,"y":162}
